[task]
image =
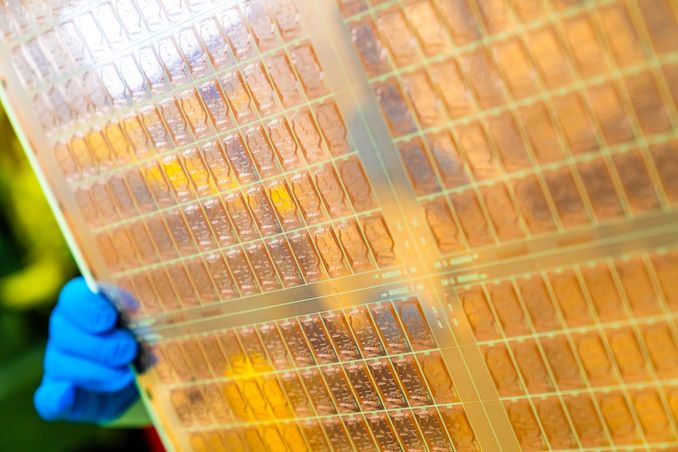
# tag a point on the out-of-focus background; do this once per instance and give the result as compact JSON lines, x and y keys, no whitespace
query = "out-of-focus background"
{"x":34,"y":264}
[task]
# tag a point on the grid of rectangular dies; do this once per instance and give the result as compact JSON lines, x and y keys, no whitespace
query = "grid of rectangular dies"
{"x":324,"y":214}
{"x":232,"y":102}
{"x":220,"y":167}
{"x":514,"y":120}
{"x":583,"y":356}
{"x":583,"y":193}
{"x":89,"y":49}
{"x":221,"y":273}
{"x":376,"y":365}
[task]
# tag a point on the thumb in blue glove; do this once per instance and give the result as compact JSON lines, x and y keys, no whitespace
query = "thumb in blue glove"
{"x":87,"y":377}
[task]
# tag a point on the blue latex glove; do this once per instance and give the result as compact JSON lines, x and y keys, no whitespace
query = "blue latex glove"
{"x":86,"y":370}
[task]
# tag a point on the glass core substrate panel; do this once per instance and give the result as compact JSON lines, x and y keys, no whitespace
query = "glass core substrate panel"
{"x":380,"y":225}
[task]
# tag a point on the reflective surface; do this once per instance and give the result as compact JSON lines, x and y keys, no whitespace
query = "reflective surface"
{"x":427,"y":224}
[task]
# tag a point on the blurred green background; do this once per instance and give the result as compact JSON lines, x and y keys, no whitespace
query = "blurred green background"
{"x":34,"y":264}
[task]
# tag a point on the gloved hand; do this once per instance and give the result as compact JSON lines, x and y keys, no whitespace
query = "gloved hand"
{"x":86,"y":369}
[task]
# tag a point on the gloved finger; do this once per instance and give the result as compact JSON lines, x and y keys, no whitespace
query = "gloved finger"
{"x":84,"y":373}
{"x":101,"y":407}
{"x":90,"y":311}
{"x":58,"y":400}
{"x":54,"y":399}
{"x":114,"y":349}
